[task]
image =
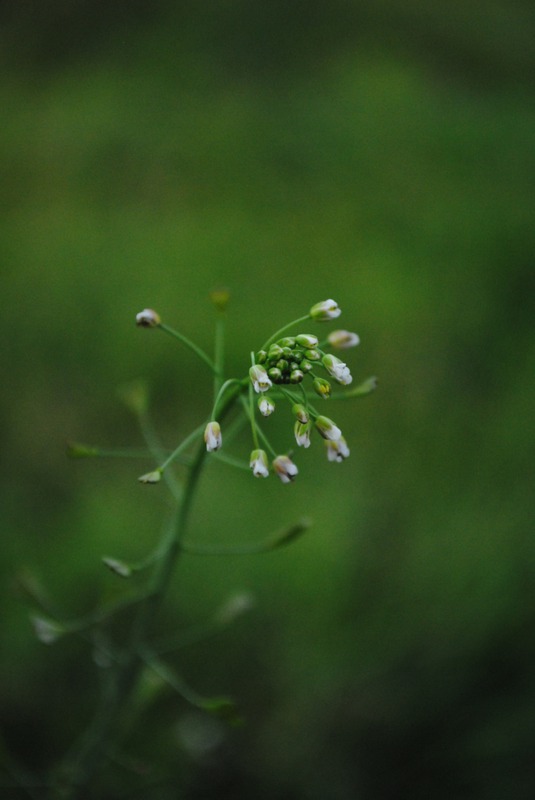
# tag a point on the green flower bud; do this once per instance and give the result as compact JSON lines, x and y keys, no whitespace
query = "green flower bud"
{"x":275,"y":374}
{"x":312,"y":355}
{"x":282,"y":364}
{"x":307,"y":340}
{"x":261,"y":357}
{"x":274,"y":352}
{"x":148,"y":318}
{"x":299,"y":411}
{"x":305,"y":365}
{"x":324,"y":311}
{"x":322,"y":387}
{"x":296,"y":376}
{"x":288,"y":341}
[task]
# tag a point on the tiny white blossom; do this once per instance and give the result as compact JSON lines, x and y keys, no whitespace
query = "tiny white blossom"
{"x":337,"y":451}
{"x":343,"y":339}
{"x":326,"y":310}
{"x":337,"y":369}
{"x":266,"y":406}
{"x":148,"y":318}
{"x":259,"y":378}
{"x":259,"y":464}
{"x":212,"y":436}
{"x":302,"y":433}
{"x":285,"y":468}
{"x":328,"y":429}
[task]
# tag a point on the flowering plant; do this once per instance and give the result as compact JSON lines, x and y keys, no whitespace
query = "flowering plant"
{"x":288,"y":370}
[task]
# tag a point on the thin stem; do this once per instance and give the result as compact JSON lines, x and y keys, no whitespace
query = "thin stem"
{"x":282,"y":330}
{"x":219,"y":351}
{"x":188,"y":343}
{"x":121,"y":678}
{"x":181,"y":447}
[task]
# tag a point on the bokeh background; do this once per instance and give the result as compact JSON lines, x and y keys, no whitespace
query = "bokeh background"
{"x":378,"y":153}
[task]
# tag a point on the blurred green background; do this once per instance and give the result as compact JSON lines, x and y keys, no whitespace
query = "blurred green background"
{"x":378,"y":153}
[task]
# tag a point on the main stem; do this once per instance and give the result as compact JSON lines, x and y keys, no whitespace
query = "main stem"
{"x":123,"y":676}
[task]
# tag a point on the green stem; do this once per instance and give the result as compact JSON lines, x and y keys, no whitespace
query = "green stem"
{"x":285,"y":328}
{"x":80,"y":768}
{"x":188,"y":343}
{"x":219,"y":351}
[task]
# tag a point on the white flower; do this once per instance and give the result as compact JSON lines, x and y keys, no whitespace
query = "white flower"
{"x":327,"y":309}
{"x":337,"y":369}
{"x":328,"y":429}
{"x":343,"y":339}
{"x":302,"y":433}
{"x":285,"y":468}
{"x":266,"y":406}
{"x":259,"y":378}
{"x":337,"y":451}
{"x":259,"y":464}
{"x":212,"y":436}
{"x":148,"y":318}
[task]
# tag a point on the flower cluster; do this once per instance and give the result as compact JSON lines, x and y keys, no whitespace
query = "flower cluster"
{"x":280,"y":367}
{"x":278,"y":374}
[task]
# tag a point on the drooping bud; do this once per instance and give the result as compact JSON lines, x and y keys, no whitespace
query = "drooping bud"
{"x":300,"y":412}
{"x":148,"y":318}
{"x":328,"y":429}
{"x":322,"y":387}
{"x":343,"y":339}
{"x":324,"y":311}
{"x":259,"y":464}
{"x":285,"y":468}
{"x":266,"y":405}
{"x":259,"y":378}
{"x":302,"y":433}
{"x":212,"y":436}
{"x":337,"y":369}
{"x":337,"y":450}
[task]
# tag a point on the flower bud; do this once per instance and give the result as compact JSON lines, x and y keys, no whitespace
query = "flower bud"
{"x":299,"y":411}
{"x":337,"y":450}
{"x":275,"y":374}
{"x":312,"y":355}
{"x":261,"y":357}
{"x":259,"y":464}
{"x":343,"y":339}
{"x":337,"y":369}
{"x":328,"y":429}
{"x":324,"y":311}
{"x":288,"y":341}
{"x":322,"y":387}
{"x":305,"y":365}
{"x":220,"y":298}
{"x":307,"y":340}
{"x":148,"y":318}
{"x":266,"y":405}
{"x":212,"y":436}
{"x":285,"y":468}
{"x":302,"y":433}
{"x":151,"y":477}
{"x":259,"y":378}
{"x":274,"y":352}
{"x":296,"y":376}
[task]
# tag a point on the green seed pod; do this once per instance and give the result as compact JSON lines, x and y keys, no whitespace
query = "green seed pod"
{"x":274,"y":352}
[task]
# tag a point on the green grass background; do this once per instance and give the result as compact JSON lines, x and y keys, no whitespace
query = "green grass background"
{"x":380,"y":154}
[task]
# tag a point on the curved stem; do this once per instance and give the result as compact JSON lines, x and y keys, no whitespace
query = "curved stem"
{"x":287,"y":327}
{"x":188,"y":343}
